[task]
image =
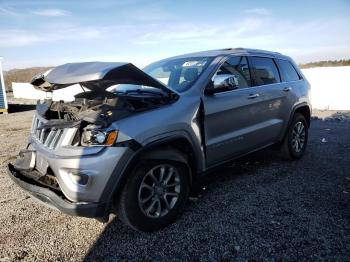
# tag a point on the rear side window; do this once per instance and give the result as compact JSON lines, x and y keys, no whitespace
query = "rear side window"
{"x":265,"y":71}
{"x":238,"y":67}
{"x":288,"y":71}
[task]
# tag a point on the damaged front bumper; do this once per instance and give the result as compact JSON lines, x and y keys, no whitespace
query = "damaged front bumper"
{"x":74,"y":180}
{"x":53,"y":199}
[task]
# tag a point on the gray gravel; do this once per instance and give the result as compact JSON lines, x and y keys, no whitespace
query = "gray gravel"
{"x":260,"y":208}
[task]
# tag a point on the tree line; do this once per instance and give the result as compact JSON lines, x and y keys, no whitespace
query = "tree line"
{"x":342,"y":62}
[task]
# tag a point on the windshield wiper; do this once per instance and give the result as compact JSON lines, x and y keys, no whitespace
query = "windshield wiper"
{"x":142,"y":91}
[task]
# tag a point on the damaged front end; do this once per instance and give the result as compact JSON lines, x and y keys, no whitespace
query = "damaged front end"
{"x":57,"y":167}
{"x":96,"y":108}
{"x":92,"y":111}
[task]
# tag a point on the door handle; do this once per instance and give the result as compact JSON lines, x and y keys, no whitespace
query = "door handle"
{"x":252,"y":96}
{"x":287,"y":89}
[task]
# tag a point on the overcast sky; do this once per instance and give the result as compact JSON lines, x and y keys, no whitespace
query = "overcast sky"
{"x":42,"y":32}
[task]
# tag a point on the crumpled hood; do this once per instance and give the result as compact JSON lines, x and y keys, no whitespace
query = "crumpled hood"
{"x":95,"y":76}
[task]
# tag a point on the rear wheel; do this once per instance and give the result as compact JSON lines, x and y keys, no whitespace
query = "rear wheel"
{"x":154,"y":194}
{"x":295,"y":141}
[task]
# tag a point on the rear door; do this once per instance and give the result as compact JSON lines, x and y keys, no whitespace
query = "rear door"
{"x":232,"y":117}
{"x":272,"y":105}
{"x":292,"y":85}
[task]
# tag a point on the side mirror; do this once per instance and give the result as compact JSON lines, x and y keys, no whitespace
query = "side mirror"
{"x":221,"y":83}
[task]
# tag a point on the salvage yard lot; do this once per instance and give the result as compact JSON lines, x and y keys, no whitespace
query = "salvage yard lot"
{"x":259,"y":208}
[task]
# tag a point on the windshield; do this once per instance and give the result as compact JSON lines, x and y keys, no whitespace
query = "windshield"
{"x":179,"y":74}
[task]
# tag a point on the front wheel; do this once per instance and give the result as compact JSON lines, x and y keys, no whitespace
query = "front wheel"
{"x":296,"y":138}
{"x":154,"y":194}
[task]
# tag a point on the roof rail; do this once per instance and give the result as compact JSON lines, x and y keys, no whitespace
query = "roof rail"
{"x":232,"y":48}
{"x":248,"y":50}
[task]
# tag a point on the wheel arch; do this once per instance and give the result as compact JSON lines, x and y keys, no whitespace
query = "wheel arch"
{"x":175,"y":148}
{"x":305,"y":110}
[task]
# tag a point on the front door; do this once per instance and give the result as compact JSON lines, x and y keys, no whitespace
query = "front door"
{"x":231,"y":116}
{"x":239,"y":121}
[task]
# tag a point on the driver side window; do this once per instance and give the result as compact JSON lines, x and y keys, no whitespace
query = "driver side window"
{"x":237,"y":66}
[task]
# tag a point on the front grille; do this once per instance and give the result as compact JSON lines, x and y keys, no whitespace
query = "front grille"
{"x":49,"y":137}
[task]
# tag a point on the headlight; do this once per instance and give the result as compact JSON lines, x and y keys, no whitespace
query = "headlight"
{"x":100,"y":137}
{"x":97,"y":137}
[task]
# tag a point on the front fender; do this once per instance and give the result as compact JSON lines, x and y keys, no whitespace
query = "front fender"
{"x":165,"y":154}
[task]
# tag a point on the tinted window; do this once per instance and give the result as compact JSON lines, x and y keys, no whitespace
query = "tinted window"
{"x":288,"y":71}
{"x":238,"y":67}
{"x":265,"y":71}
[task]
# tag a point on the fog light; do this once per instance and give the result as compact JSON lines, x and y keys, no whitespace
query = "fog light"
{"x":79,"y":178}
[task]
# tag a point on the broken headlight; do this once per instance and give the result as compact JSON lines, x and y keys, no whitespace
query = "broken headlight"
{"x":93,"y":136}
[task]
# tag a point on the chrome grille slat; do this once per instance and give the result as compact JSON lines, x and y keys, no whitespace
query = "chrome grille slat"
{"x":33,"y":124}
{"x":56,"y":139}
{"x":37,"y":124}
{"x":37,"y":132}
{"x":42,"y":134}
{"x":48,"y":137}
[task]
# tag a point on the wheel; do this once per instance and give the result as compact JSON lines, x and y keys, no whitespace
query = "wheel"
{"x":295,"y":141}
{"x":154,"y":194}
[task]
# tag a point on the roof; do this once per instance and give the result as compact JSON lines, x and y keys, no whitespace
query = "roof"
{"x":231,"y":51}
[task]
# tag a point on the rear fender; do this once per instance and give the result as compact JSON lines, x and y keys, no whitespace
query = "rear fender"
{"x":284,"y":133}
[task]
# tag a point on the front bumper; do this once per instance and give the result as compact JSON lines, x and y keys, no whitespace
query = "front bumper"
{"x":99,"y":165}
{"x":52,"y":199}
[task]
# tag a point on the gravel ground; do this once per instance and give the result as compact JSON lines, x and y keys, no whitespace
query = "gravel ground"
{"x":260,"y":208}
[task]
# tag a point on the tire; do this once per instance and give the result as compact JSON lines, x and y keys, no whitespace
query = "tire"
{"x":147,"y":205}
{"x":294,"y":144}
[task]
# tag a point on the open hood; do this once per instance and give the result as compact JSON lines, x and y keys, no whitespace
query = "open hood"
{"x":95,"y":76}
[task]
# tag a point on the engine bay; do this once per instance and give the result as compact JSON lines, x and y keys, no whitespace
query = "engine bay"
{"x":99,"y":108}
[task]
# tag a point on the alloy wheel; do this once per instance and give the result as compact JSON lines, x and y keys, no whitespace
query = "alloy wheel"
{"x":298,"y":137}
{"x":159,"y":190}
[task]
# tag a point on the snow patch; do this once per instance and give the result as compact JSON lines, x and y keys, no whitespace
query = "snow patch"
{"x":330,"y":87}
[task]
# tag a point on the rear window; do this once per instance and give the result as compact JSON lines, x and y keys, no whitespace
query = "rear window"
{"x":288,"y":71}
{"x":264,"y":71}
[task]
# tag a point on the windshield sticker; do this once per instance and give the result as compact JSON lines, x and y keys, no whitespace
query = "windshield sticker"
{"x":194,"y":63}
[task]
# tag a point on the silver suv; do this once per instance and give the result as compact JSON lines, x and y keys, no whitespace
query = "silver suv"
{"x":133,"y":141}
